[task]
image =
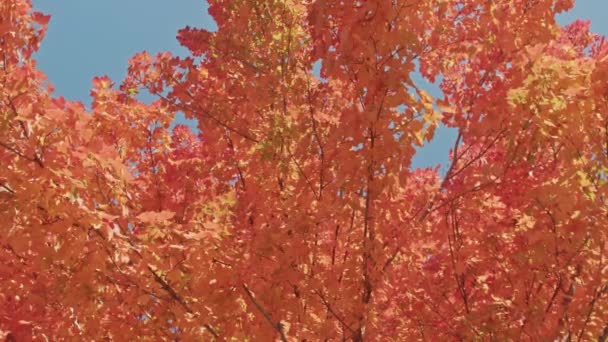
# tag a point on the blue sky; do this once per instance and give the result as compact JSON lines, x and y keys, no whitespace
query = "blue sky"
{"x":88,"y":38}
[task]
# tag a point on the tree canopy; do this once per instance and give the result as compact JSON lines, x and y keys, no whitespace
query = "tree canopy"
{"x":294,"y":213}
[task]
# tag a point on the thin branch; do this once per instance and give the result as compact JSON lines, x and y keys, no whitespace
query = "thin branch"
{"x":35,"y":159}
{"x":204,"y":114}
{"x":163,"y":283}
{"x":319,"y":143}
{"x":455,"y":158}
{"x":481,"y":153}
{"x":301,"y":171}
{"x":596,"y":295}
{"x":276,"y":326}
{"x":170,"y":290}
{"x":329,"y":308}
{"x":7,"y":188}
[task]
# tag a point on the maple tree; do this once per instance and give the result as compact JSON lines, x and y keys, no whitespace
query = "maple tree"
{"x":295,"y":213}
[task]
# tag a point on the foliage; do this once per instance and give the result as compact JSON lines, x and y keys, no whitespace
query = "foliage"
{"x":295,"y":213}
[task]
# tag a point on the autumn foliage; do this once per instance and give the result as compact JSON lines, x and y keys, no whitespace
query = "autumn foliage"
{"x":295,"y":214}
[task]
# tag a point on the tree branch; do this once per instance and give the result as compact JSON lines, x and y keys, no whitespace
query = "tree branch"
{"x":276,"y":326}
{"x":329,"y":308}
{"x":35,"y":159}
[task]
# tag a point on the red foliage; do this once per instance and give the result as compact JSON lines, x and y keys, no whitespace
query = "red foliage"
{"x":294,"y":214}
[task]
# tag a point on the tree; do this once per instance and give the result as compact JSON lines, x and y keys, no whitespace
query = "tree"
{"x":295,"y":214}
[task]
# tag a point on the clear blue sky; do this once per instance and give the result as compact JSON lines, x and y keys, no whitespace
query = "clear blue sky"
{"x":89,"y":38}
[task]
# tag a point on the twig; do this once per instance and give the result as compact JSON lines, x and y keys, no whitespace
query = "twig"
{"x":35,"y":159}
{"x":276,"y":326}
{"x":329,"y":308}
